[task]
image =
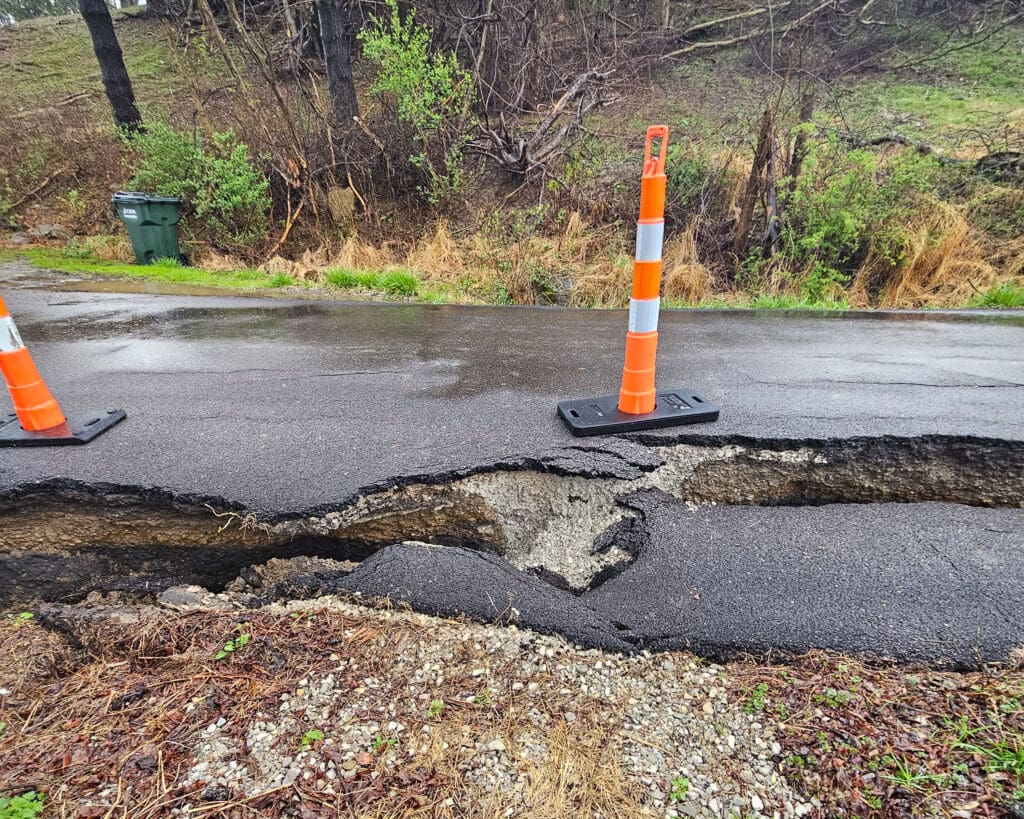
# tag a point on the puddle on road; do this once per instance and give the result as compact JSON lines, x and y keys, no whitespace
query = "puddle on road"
{"x":564,"y":523}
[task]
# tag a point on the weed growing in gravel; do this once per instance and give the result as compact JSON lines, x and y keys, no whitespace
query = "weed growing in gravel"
{"x":756,"y":701}
{"x":236,"y":643}
{"x":26,"y":806}
{"x":311,"y":736}
{"x":435,"y":709}
{"x":380,"y":744}
{"x":484,"y":698}
{"x":680,"y":787}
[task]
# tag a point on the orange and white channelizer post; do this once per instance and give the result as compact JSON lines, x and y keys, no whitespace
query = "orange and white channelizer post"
{"x":35,"y":407}
{"x":38,"y":419}
{"x":637,"y":394}
{"x":638,"y":406}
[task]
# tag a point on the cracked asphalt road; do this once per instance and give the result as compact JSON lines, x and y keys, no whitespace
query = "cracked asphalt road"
{"x":284,"y":405}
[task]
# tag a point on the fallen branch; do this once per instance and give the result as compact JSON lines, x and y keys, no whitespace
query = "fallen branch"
{"x":743,"y":38}
{"x":721,"y":21}
{"x":15,"y":205}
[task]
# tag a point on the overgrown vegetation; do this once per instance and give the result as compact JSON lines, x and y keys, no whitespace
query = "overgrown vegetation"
{"x":430,"y":92}
{"x":841,"y":165}
{"x":222,"y":191}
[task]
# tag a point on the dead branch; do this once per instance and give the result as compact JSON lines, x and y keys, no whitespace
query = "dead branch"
{"x":721,"y":21}
{"x":743,"y":38}
{"x":37,"y":189}
{"x":522,"y":156}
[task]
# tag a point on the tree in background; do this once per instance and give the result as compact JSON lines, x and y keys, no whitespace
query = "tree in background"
{"x":108,"y":53}
{"x":334,"y":34}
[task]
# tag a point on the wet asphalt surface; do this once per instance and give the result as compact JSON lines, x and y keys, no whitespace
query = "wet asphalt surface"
{"x":282,"y":405}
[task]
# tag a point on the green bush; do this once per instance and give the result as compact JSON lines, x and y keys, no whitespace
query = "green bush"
{"x":845,"y":206}
{"x":430,"y":92}
{"x":226,"y":195}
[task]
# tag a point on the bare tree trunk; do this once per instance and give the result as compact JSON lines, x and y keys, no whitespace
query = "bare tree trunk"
{"x":753,"y":189}
{"x":799,"y":153}
{"x":108,"y":53}
{"x":334,"y":19}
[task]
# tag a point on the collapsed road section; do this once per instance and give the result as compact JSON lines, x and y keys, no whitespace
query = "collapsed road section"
{"x":902,"y":548}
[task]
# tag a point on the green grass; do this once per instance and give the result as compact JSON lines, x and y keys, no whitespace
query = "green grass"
{"x":1008,"y":294}
{"x":167,"y":271}
{"x":61,"y":49}
{"x":392,"y":282}
{"x":760,"y":301}
{"x":959,"y":88}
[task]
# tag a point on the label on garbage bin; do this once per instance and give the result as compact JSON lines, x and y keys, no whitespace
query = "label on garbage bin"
{"x":129,"y":213}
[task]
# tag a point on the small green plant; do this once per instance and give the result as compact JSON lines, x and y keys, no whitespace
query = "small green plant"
{"x":756,"y":702}
{"x":20,"y":619}
{"x":311,"y":736}
{"x":281,"y":280}
{"x":680,"y":787}
{"x":25,"y":806}
{"x":380,"y":744}
{"x":906,"y":775}
{"x":435,"y":708}
{"x":75,"y":204}
{"x":241,"y":639}
{"x":484,"y":698}
{"x":832,"y":697}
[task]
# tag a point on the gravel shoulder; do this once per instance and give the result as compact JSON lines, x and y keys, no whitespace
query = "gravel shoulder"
{"x":203,"y":706}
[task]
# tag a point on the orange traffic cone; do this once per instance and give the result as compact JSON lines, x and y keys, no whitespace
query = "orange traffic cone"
{"x":638,"y":405}
{"x":38,"y":419}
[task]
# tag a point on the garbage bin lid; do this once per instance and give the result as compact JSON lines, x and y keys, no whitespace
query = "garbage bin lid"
{"x":135,"y":196}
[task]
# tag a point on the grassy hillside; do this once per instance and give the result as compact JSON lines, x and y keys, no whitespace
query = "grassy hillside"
{"x":949,"y":237}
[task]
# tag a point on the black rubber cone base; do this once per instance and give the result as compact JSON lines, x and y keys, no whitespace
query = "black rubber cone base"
{"x":79,"y":429}
{"x":601,"y":416}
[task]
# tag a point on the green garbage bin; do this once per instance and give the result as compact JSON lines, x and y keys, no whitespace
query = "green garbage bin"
{"x":152,"y":223}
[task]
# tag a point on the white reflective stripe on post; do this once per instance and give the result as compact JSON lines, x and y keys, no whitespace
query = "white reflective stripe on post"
{"x":643,"y":315}
{"x":648,"y":241}
{"x":10,"y":340}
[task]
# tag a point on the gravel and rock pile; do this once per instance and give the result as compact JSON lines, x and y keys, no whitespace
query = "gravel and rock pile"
{"x":525,"y":721}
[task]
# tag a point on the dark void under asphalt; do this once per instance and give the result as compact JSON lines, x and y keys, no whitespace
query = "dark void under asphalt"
{"x":283,"y":405}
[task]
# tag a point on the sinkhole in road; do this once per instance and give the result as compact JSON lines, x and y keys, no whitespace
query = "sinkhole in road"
{"x":563,"y":516}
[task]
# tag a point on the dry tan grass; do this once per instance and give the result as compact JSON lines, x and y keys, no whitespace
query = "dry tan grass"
{"x":439,"y":255}
{"x":944,"y":264}
{"x":579,"y":777}
{"x":110,"y":248}
{"x":686,"y":278}
{"x":217,"y":262}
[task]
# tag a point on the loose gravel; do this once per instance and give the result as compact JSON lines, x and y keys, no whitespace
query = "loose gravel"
{"x":524,"y":720}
